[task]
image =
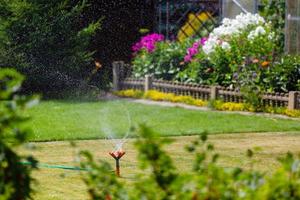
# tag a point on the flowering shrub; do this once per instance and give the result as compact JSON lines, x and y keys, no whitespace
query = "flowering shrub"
{"x":164,"y":63}
{"x":130,"y":93}
{"x":160,"y":96}
{"x":241,"y":49}
{"x":291,"y":113}
{"x":222,"y":35}
{"x":148,"y":42}
{"x":192,"y":51}
{"x":231,"y":106}
{"x":237,"y":54}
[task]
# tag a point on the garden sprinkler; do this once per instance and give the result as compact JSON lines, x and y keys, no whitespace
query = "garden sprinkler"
{"x":117,"y":155}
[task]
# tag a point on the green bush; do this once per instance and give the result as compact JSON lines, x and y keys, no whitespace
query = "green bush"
{"x":284,"y":75}
{"x":161,"y":180}
{"x":15,"y":178}
{"x":46,"y":41}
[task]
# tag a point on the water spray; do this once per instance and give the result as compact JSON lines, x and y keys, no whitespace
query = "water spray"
{"x":118,"y":151}
{"x":117,"y":155}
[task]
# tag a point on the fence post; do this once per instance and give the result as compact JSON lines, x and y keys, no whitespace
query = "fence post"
{"x":292,"y":100}
{"x":213,"y":92}
{"x":148,"y":83}
{"x":117,"y":66}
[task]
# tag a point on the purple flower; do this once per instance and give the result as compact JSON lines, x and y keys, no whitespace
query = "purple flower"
{"x":196,"y":44}
{"x":235,"y":75}
{"x":254,"y":75}
{"x":192,"y":51}
{"x":148,"y":42}
{"x":203,"y":40}
{"x":187,"y":58}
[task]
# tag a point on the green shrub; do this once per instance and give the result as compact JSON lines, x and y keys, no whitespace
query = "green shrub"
{"x":284,"y":75}
{"x":46,"y":41}
{"x":15,"y":178}
{"x":274,"y":11}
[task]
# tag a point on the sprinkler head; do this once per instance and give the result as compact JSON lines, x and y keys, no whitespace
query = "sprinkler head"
{"x":117,"y":155}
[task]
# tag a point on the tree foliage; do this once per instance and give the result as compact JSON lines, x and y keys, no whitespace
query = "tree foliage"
{"x":47,"y":41}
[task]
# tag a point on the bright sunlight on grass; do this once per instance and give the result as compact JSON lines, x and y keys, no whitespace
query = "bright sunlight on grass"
{"x":57,"y":184}
{"x":64,"y":120}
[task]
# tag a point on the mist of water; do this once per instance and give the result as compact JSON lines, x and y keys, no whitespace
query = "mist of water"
{"x":110,"y":130}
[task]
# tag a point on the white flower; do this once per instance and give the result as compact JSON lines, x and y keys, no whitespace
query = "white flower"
{"x":230,"y":27}
{"x":210,"y":45}
{"x":251,"y":35}
{"x":260,"y":31}
{"x":257,"y":32}
{"x":225,"y":45}
{"x":271,"y":36}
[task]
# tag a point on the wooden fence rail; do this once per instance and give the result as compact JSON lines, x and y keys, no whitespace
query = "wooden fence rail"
{"x":204,"y":92}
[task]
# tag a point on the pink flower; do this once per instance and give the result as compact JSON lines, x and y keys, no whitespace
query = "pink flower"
{"x":203,"y":40}
{"x":192,"y":51}
{"x":148,"y":42}
{"x":187,"y":58}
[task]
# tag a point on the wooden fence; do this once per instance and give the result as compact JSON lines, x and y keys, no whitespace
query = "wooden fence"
{"x":204,"y":92}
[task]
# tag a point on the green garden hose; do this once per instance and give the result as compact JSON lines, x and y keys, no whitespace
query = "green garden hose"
{"x":41,"y":165}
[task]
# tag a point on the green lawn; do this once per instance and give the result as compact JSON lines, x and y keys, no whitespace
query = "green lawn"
{"x":64,"y":120}
{"x":57,"y":184}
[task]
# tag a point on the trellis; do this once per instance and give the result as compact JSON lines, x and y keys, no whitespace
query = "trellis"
{"x":181,"y":17}
{"x":187,"y":18}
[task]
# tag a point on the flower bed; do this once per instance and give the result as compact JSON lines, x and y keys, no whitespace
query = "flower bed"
{"x":160,"y":96}
{"x":238,"y":54}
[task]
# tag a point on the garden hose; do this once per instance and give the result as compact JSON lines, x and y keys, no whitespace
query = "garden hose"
{"x":41,"y":165}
